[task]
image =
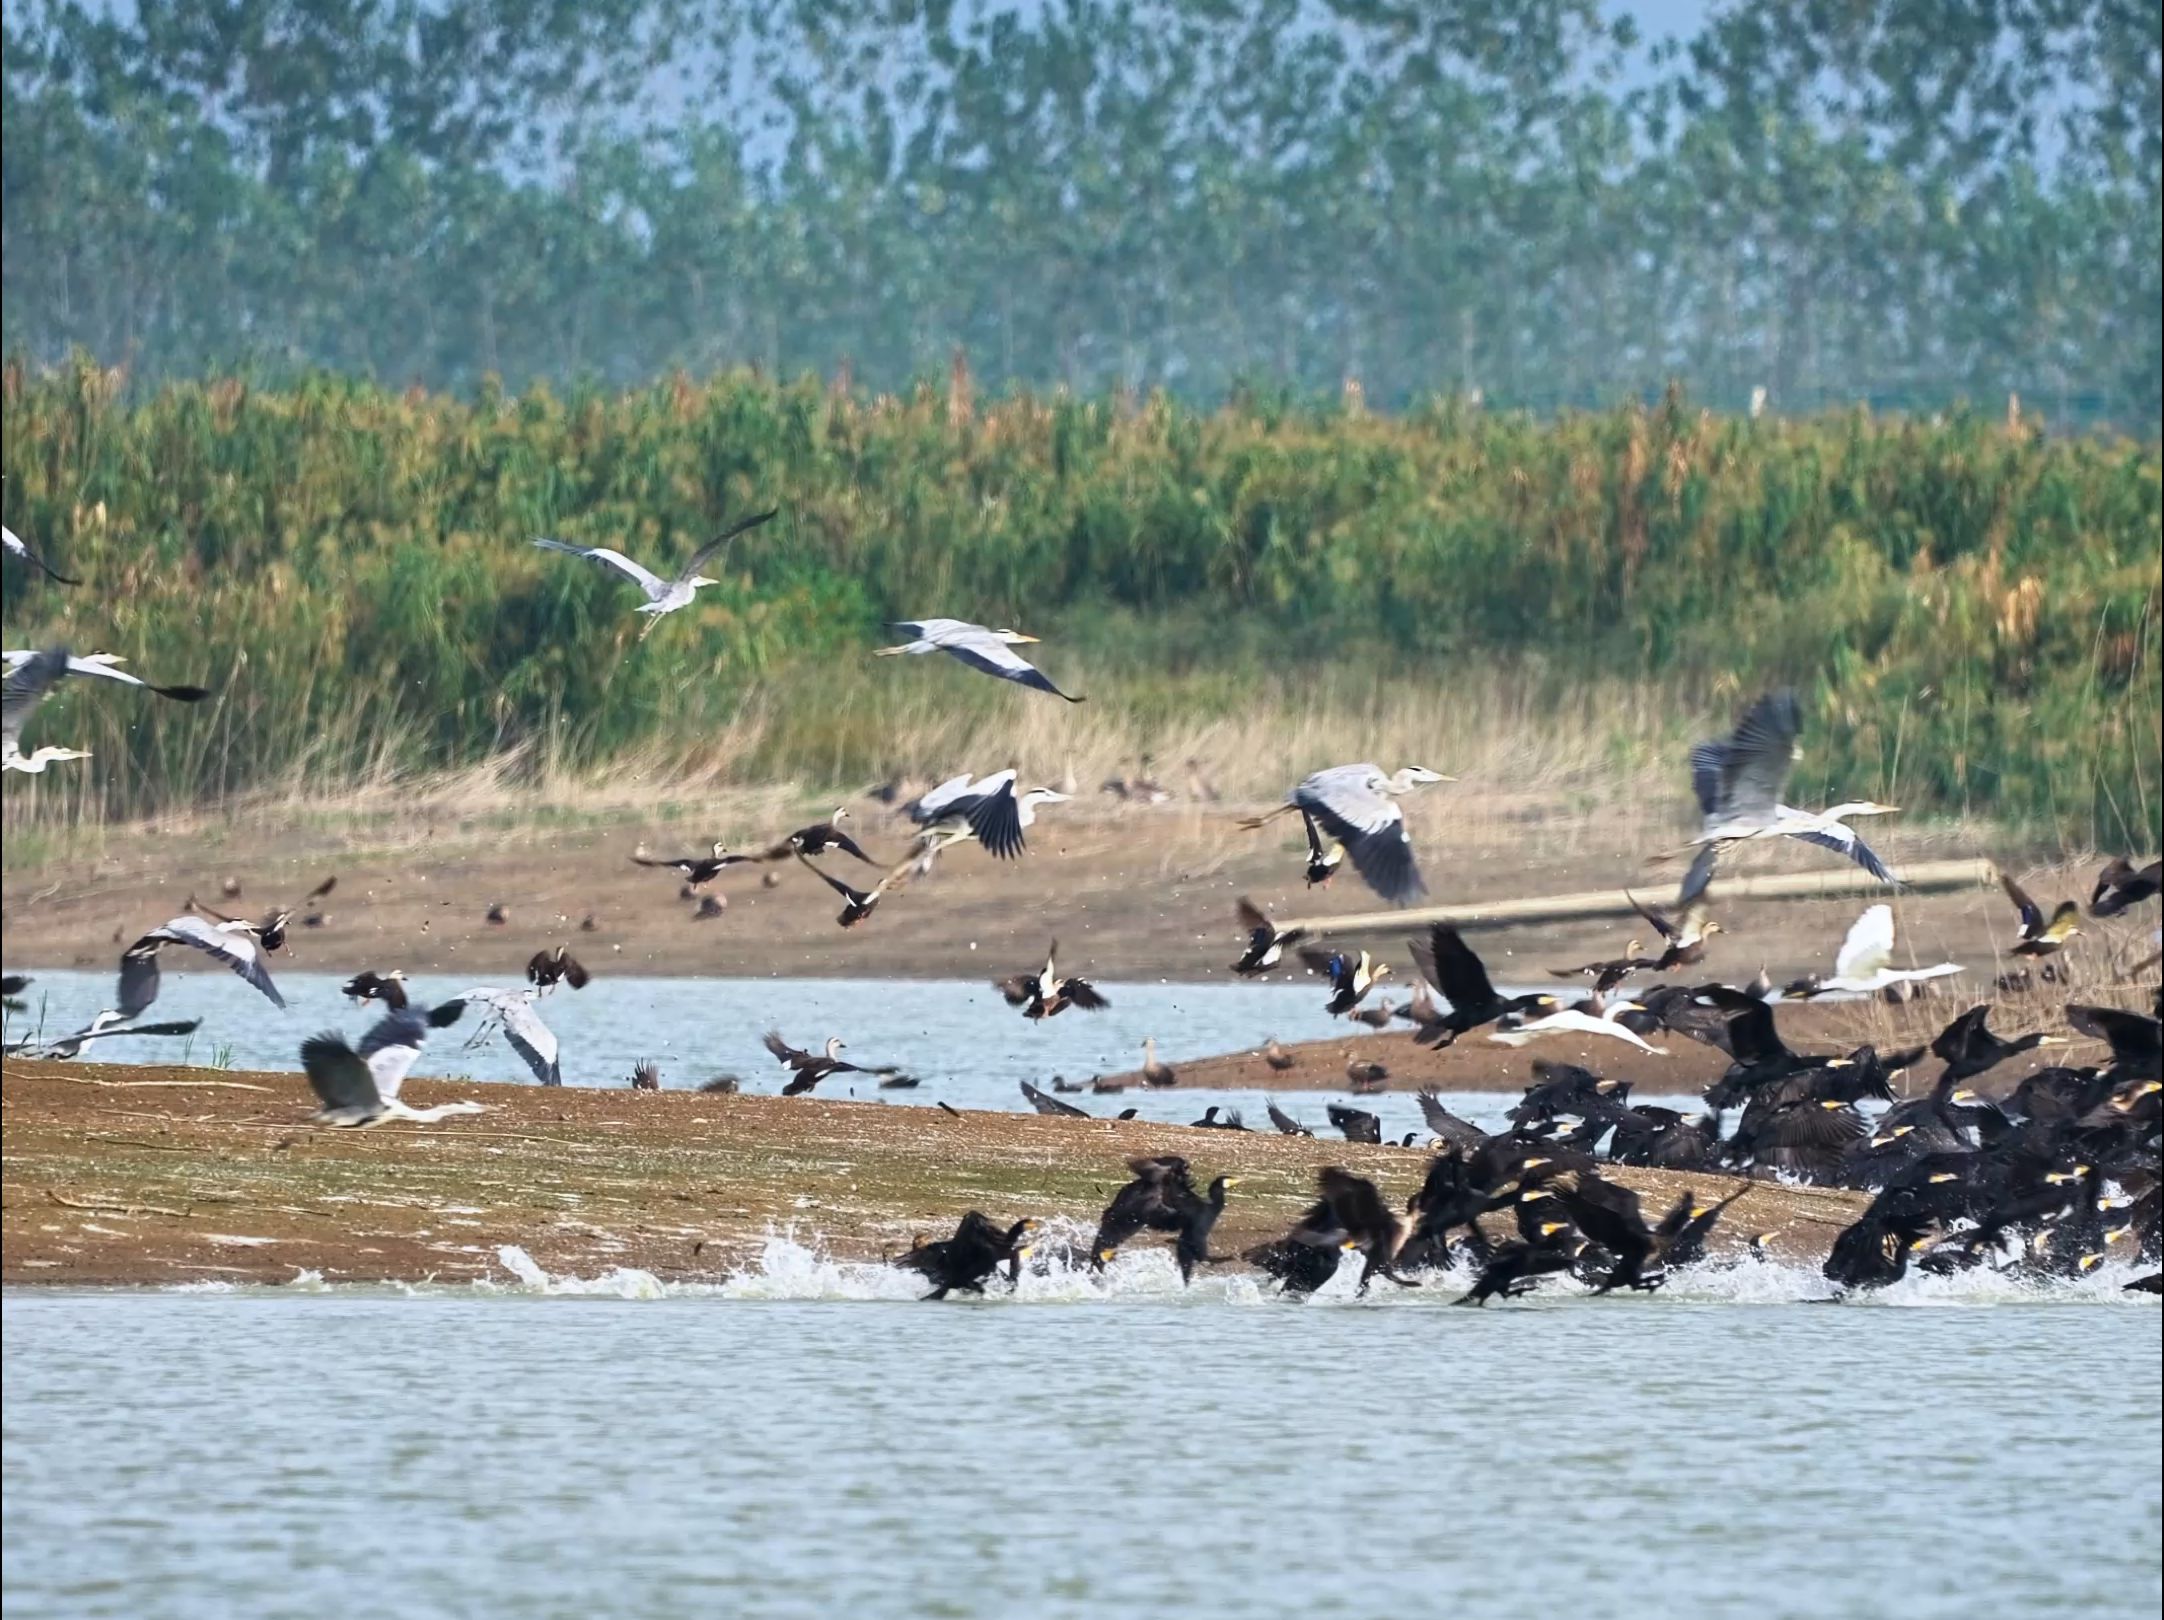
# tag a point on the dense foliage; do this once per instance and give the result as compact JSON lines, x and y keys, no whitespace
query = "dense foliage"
{"x":1971,"y":605}
{"x":1903,"y":202}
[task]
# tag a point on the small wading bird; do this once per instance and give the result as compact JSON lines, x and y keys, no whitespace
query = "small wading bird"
{"x":967,"y":1260}
{"x":1266,"y":942}
{"x":234,"y":944}
{"x":1863,"y":965}
{"x":991,"y":651}
{"x":1351,"y":977}
{"x":512,"y":1013}
{"x":2122,"y":885}
{"x":105,"y":666}
{"x":548,"y":968}
{"x":2041,"y":937}
{"x":16,"y":547}
{"x":1356,"y":806}
{"x":986,"y":809}
{"x":358,"y":1086}
{"x":270,"y":933}
{"x":1739,"y":781}
{"x":1045,"y":994}
{"x":26,"y":687}
{"x":663,"y":596}
{"x":812,"y":1067}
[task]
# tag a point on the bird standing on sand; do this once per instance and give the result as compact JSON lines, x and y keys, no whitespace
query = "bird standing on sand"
{"x":1356,"y":806}
{"x":990,"y":651}
{"x":663,"y":596}
{"x":1738,"y":782}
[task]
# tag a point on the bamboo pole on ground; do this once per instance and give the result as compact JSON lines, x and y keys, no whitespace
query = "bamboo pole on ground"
{"x":1926,"y":877}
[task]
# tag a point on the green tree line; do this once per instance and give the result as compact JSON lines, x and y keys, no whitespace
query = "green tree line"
{"x":1970,"y":605}
{"x":1903,"y":202}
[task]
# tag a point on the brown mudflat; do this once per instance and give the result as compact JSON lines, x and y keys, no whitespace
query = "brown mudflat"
{"x":140,"y":1175}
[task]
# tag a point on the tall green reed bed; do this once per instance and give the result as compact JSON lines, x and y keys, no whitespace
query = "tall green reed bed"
{"x":1970,"y":605}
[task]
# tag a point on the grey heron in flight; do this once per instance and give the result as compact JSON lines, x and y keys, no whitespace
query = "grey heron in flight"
{"x":107,"y":1026}
{"x":991,"y":651}
{"x":27,"y":684}
{"x":1739,"y":782}
{"x":663,"y":596}
{"x":1357,"y":807}
{"x":987,"y":809}
{"x":358,"y":1086}
{"x":106,"y":666}
{"x":234,"y":944}
{"x":17,"y":547}
{"x":512,"y":1013}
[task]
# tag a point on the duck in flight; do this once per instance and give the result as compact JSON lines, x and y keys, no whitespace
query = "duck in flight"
{"x":698,"y":870}
{"x":989,"y":651}
{"x":809,"y":1068}
{"x":1046,"y":994}
{"x":2041,"y":936}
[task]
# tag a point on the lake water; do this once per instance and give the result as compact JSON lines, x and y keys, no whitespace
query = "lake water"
{"x":801,"y":1442}
{"x":967,"y":1045}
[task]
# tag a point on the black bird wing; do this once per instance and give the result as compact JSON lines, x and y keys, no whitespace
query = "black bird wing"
{"x":2032,"y":915}
{"x":1461,"y":1133}
{"x":1751,"y":1032}
{"x":1709,"y":760}
{"x":1448,"y":963}
{"x":1252,"y":917}
{"x":1356,"y":1124}
{"x":2134,"y":1038}
{"x":321,"y":889}
{"x":18,"y":547}
{"x":706,"y":553}
{"x":1381,"y":848}
{"x":855,"y":896}
{"x":1051,"y":1105}
{"x":1017,"y":991}
{"x":1954,"y":1042}
{"x":1335,"y":966}
{"x":837,"y":839}
{"x":1285,"y":1122}
{"x":996,"y":819}
{"x":1083,"y":994}
{"x":1607,"y":1213}
{"x":1846,"y":841}
{"x":1658,"y":921}
{"x":339,"y":1075}
{"x":139,"y":980}
{"x":1359,"y":1208}
{"x":788,"y":1054}
{"x":1005,"y":664}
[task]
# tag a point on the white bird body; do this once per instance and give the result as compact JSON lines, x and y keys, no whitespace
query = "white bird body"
{"x":1577,"y":1021}
{"x":359,"y":1086}
{"x":1864,"y":962}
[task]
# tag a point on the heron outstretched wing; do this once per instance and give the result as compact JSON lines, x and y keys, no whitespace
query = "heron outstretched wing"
{"x":18,"y":547}
{"x":1345,"y":801}
{"x":988,"y":654}
{"x":706,"y":553}
{"x":648,"y":581}
{"x":996,"y":818}
{"x":26,"y":687}
{"x":228,"y":944}
{"x":1756,"y":760}
{"x":105,"y":666}
{"x":339,"y":1075}
{"x":1843,"y":840}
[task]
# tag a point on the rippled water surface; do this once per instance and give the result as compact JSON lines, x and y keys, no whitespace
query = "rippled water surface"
{"x":361,"y":1454}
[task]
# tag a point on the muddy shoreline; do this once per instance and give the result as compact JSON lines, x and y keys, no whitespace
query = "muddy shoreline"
{"x":138,"y":1176}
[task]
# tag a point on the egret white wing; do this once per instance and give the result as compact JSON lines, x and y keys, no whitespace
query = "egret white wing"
{"x":1869,"y":945}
